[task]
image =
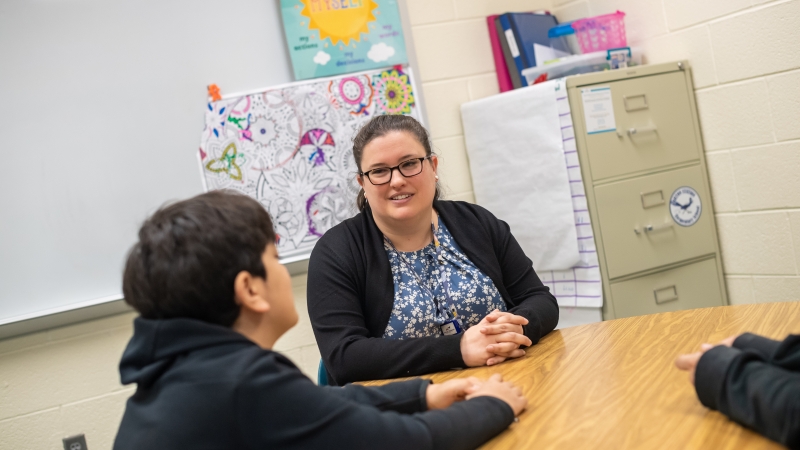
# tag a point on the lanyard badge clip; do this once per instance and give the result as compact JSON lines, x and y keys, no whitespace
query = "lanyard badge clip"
{"x":451,"y":327}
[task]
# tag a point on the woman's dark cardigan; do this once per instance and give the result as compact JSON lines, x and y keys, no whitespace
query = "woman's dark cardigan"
{"x":351,"y":294}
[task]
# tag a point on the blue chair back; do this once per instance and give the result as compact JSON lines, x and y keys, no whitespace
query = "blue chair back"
{"x":322,"y":374}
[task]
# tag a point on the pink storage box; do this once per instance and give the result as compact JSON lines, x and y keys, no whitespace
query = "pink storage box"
{"x":601,"y":32}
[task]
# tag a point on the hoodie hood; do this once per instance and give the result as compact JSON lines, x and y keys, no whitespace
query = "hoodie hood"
{"x":157,"y":343}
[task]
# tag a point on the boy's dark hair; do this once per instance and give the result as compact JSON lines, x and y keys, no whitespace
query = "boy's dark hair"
{"x":189,"y":254}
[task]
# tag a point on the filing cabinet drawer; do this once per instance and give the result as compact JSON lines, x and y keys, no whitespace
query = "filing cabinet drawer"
{"x":643,"y":227}
{"x":654,"y":124}
{"x":692,"y":286}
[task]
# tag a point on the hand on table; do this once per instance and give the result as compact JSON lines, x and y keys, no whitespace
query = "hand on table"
{"x":497,"y":388}
{"x":494,"y":339}
{"x":440,"y":396}
{"x":497,"y":322}
{"x":727,"y":342}
{"x":689,"y":361}
{"x":503,"y":326}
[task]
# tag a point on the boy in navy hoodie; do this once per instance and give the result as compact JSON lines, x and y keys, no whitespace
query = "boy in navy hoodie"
{"x":213,"y":299}
{"x":753,"y":380}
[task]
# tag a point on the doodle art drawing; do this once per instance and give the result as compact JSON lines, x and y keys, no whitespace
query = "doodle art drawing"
{"x":290,"y":148}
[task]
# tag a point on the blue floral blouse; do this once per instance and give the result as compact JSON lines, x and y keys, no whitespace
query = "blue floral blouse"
{"x":414,"y":313}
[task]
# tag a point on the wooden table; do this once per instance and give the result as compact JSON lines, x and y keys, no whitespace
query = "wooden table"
{"x":614,"y":385}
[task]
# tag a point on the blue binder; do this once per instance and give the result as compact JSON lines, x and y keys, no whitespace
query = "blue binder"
{"x":512,"y":41}
{"x":529,"y":29}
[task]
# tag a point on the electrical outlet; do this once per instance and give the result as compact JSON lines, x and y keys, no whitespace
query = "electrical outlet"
{"x":77,"y":442}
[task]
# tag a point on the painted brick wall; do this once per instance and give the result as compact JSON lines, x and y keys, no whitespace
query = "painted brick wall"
{"x":746,"y":64}
{"x":455,"y":66}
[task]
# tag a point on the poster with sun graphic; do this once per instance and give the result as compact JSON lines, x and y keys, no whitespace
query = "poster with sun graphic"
{"x":334,"y":37}
{"x":290,"y":148}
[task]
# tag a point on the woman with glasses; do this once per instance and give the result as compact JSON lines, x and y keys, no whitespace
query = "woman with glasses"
{"x":414,"y":284}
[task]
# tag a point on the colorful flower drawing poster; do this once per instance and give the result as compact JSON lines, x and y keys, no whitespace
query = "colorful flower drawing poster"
{"x":290,"y":148}
{"x":333,"y":37}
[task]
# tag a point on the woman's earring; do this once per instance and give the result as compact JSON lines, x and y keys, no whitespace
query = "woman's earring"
{"x":437,"y":177}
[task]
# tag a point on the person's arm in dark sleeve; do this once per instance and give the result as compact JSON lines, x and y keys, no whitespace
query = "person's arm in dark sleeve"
{"x":784,"y":353}
{"x":348,"y":349}
{"x":284,"y":409}
{"x":405,"y":397}
{"x":741,"y":385}
{"x":530,"y":298}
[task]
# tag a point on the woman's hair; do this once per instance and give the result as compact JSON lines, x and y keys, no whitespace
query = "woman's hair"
{"x":380,"y":126}
{"x":189,"y":254}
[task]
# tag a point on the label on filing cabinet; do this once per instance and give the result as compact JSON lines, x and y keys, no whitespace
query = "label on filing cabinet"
{"x":685,"y":206}
{"x":598,"y":110}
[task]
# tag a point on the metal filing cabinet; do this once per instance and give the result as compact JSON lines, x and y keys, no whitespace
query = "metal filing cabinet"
{"x":647,"y":189}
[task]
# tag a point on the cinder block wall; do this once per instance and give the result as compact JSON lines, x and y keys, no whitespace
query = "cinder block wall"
{"x":746,"y":61}
{"x":456,"y":66}
{"x":747,"y":74}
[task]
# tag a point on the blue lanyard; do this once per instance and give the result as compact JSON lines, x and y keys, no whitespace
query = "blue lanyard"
{"x":450,"y":311}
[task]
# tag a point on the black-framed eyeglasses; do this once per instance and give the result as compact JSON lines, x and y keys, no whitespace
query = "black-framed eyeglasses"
{"x":407,"y":168}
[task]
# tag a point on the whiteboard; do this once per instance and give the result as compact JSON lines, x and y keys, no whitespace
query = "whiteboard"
{"x":102,"y":106}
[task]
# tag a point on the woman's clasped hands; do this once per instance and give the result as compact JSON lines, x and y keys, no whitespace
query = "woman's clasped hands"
{"x":494,"y":339}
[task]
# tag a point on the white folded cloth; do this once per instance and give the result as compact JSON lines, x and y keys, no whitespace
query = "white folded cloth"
{"x":516,"y":158}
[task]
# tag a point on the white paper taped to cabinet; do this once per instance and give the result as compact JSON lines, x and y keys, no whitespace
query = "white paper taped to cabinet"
{"x":516,"y":158}
{"x":598,"y":110}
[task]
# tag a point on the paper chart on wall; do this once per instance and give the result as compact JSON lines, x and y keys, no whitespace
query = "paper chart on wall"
{"x":582,"y":285}
{"x":290,"y":148}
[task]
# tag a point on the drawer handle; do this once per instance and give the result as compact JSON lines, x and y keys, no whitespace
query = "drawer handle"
{"x":635,"y":131}
{"x":653,"y":228}
{"x":653,"y":198}
{"x":633,"y":106}
{"x":667,"y":294}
